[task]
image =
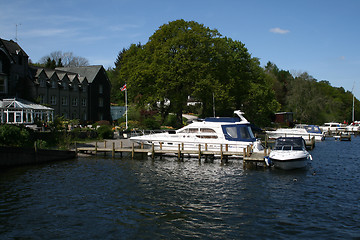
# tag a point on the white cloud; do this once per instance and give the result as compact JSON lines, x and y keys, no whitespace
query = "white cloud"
{"x":279,"y":31}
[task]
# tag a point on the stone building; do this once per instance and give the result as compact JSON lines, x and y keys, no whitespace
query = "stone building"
{"x":76,"y":93}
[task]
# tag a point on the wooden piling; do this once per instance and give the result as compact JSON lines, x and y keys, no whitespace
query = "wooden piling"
{"x":199,"y":154}
{"x":152,"y":151}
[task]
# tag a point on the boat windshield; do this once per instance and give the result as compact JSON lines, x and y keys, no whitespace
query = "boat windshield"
{"x":313,"y":129}
{"x":238,"y":132}
{"x":289,"y":143}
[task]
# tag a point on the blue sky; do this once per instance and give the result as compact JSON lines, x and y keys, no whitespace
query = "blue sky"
{"x":321,"y":37}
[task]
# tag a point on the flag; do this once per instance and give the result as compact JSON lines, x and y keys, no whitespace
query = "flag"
{"x":123,"y":88}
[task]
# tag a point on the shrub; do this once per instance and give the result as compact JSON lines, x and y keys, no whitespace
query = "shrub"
{"x":11,"y":135}
{"x":105,"y":132}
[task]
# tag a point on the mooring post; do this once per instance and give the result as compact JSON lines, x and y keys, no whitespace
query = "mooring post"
{"x":152,"y":151}
{"x":266,"y":140}
{"x":104,"y":143}
{"x":121,"y":146}
{"x":113,"y":149}
{"x":179,"y":152}
{"x":96,"y":146}
{"x":221,"y":153}
{"x":199,"y":152}
{"x":244,"y":157}
{"x":132,"y":151}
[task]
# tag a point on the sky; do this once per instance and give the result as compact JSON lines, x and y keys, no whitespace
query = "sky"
{"x":320,"y":37}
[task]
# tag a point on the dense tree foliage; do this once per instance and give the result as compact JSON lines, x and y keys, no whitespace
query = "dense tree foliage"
{"x":183,"y":59}
{"x":310,"y":100}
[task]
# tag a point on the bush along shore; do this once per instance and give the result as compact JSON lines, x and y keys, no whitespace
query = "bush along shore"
{"x":20,"y":145}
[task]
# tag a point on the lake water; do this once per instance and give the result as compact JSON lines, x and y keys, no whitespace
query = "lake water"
{"x":101,"y":198}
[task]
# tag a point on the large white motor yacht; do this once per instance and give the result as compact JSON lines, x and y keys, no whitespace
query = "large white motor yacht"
{"x":235,"y":134}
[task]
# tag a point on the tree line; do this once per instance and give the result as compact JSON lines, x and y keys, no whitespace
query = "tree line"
{"x":185,"y":58}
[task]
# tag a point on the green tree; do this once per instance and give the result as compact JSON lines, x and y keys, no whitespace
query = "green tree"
{"x":184,"y":59}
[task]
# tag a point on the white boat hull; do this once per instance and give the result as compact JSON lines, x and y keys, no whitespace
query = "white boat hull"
{"x":274,"y":134}
{"x":288,"y":160}
{"x":209,"y":145}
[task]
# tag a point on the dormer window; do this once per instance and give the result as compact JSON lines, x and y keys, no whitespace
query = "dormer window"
{"x":42,"y":82}
{"x":53,"y":84}
{"x":65,"y":85}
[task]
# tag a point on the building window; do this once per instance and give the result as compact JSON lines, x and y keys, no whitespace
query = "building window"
{"x":101,"y":102}
{"x":41,"y":99}
{"x":53,"y":100}
{"x":74,"y":101}
{"x":101,"y":89}
{"x":64,"y":84}
{"x":84,"y":87}
{"x":84,"y":116}
{"x":64,"y":101}
{"x":83,"y":102}
{"x":42,"y":82}
{"x":53,"y":84}
{"x":3,"y":84}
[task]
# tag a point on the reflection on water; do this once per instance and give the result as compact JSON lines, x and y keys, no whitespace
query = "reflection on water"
{"x":101,"y":198}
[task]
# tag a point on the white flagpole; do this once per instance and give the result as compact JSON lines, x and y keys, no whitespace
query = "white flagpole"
{"x":126,"y":108}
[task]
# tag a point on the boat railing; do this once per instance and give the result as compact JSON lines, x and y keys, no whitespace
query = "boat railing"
{"x":145,"y":132}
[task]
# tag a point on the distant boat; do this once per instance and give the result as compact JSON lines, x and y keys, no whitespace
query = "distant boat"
{"x":235,"y":133}
{"x":300,"y":130}
{"x":333,"y":127}
{"x":289,"y":153}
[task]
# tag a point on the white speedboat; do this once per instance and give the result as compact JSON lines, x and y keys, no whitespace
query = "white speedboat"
{"x":300,"y":130}
{"x":333,"y":127}
{"x":233,"y":134}
{"x":289,"y":153}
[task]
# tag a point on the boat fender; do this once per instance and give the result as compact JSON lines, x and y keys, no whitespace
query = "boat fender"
{"x":267,"y":161}
{"x":310,"y":157}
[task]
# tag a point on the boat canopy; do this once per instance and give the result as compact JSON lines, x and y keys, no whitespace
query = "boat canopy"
{"x":238,"y":132}
{"x":312,"y":129}
{"x":222,"y":119}
{"x":287,"y":143}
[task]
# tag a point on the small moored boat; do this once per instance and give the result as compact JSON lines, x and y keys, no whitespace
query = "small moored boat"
{"x":289,"y":153}
{"x":300,"y":130}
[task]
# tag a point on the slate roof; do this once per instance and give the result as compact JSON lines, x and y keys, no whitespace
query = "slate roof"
{"x":12,"y":47}
{"x":89,"y":72}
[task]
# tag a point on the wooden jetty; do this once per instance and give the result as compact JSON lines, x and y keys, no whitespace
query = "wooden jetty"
{"x":343,"y":137}
{"x":201,"y":152}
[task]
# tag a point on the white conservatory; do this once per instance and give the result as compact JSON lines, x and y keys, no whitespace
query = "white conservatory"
{"x":19,"y":111}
